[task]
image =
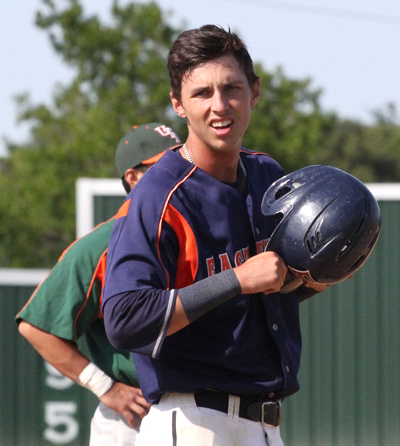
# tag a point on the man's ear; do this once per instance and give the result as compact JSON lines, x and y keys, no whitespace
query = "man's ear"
{"x":177,"y":105}
{"x":255,"y":94}
{"x":132,"y":177}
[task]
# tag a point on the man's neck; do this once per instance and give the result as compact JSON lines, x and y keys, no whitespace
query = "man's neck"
{"x":220,"y":163}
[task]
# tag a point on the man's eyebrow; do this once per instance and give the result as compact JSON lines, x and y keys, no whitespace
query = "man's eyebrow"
{"x":234,"y":81}
{"x":199,"y":88}
{"x":193,"y":91}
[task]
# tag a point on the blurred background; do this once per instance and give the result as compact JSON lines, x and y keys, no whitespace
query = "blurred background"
{"x":77,"y":74}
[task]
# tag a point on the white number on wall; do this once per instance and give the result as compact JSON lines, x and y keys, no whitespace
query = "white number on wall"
{"x":60,"y":415}
{"x":55,"y":379}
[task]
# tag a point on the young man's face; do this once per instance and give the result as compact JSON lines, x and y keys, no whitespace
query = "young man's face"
{"x":216,"y":100}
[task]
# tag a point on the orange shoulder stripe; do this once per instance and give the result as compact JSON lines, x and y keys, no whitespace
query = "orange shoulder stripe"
{"x":99,"y":273}
{"x":123,"y":210}
{"x":255,"y":153}
{"x":33,"y":295}
{"x":73,"y":243}
{"x":60,"y":258}
{"x":162,"y":218}
{"x":188,"y":253}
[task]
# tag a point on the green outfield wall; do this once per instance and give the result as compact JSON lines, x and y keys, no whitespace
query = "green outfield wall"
{"x":39,"y":406}
{"x":349,"y":378}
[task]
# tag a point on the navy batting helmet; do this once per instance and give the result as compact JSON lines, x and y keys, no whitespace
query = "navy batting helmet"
{"x":329,"y":224}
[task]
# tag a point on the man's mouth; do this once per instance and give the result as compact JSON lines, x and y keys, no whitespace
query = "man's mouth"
{"x":221,"y":124}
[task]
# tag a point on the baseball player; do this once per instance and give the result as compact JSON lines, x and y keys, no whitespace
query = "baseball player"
{"x":189,"y":287}
{"x":66,"y":306}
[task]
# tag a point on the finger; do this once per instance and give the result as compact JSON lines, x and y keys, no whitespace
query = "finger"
{"x":139,"y":393}
{"x":271,"y":291}
{"x":317,"y":286}
{"x":284,"y":269}
{"x":142,"y":402}
{"x":130,"y":418}
{"x":140,"y":410}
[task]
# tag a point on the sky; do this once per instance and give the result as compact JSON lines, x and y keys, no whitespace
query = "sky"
{"x":349,"y":49}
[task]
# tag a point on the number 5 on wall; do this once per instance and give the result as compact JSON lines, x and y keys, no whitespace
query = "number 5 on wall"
{"x":62,"y":427}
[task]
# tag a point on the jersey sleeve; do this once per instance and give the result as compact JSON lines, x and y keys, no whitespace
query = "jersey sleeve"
{"x":139,"y":298}
{"x":67,"y":302}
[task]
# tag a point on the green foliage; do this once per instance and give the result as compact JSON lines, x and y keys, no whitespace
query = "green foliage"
{"x":287,"y":122}
{"x":371,"y":153}
{"x":121,"y":80}
{"x":289,"y":125}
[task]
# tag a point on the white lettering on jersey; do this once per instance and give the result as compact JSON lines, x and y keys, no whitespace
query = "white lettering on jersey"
{"x":210,"y":266}
{"x":241,"y":256}
{"x":262,"y":245}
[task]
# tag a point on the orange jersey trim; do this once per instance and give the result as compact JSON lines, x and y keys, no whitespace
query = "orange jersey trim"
{"x":188,"y":253}
{"x":73,"y":243}
{"x":123,"y":210}
{"x":99,"y":273}
{"x":166,"y":205}
{"x":60,"y":258}
{"x":255,"y":153}
{"x":155,"y":158}
{"x":33,"y":295}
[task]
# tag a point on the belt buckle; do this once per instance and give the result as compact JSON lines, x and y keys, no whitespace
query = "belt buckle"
{"x":277,"y":404}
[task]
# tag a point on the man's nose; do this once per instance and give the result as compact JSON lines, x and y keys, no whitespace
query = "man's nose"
{"x":219,"y":102}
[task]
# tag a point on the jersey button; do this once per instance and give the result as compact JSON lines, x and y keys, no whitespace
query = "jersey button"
{"x":275,"y":327}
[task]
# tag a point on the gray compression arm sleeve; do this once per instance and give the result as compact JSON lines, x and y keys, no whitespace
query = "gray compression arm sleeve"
{"x":203,"y":296}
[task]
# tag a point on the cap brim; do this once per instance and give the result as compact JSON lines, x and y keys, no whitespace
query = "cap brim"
{"x":153,"y":159}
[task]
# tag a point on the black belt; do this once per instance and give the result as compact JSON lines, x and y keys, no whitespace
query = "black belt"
{"x":268,"y":412}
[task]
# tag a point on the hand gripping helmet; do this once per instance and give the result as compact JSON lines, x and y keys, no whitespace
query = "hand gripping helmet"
{"x":329,"y":224}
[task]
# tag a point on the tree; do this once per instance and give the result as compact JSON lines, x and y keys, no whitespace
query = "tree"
{"x":289,"y":125}
{"x":371,"y":153}
{"x":120,"y":81}
{"x":288,"y":122}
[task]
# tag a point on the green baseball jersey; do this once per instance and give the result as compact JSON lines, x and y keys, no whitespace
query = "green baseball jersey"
{"x":67,"y":303}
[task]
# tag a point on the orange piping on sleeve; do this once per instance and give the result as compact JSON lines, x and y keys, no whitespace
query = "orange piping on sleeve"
{"x":188,"y":253}
{"x":162,"y":218}
{"x":123,"y":210}
{"x":33,"y":295}
{"x":99,"y":273}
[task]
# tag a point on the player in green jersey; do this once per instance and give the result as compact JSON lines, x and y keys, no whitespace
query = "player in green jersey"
{"x":67,"y":306}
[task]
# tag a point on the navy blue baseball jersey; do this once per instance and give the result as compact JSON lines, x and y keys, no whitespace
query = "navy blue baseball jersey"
{"x":179,"y":226}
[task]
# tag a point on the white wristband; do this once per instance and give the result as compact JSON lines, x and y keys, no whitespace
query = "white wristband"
{"x":95,"y":380}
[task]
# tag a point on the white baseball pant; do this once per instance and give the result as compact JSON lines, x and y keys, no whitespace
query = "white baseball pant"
{"x":110,"y":428}
{"x":177,"y":421}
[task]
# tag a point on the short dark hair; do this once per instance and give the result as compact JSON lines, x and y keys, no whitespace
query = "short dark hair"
{"x":141,"y":168}
{"x":200,"y":45}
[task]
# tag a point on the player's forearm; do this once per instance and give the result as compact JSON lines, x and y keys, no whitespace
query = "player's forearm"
{"x":137,"y":321}
{"x":201,"y":297}
{"x":263,"y":273}
{"x":179,"y":318}
{"x":61,"y":353}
